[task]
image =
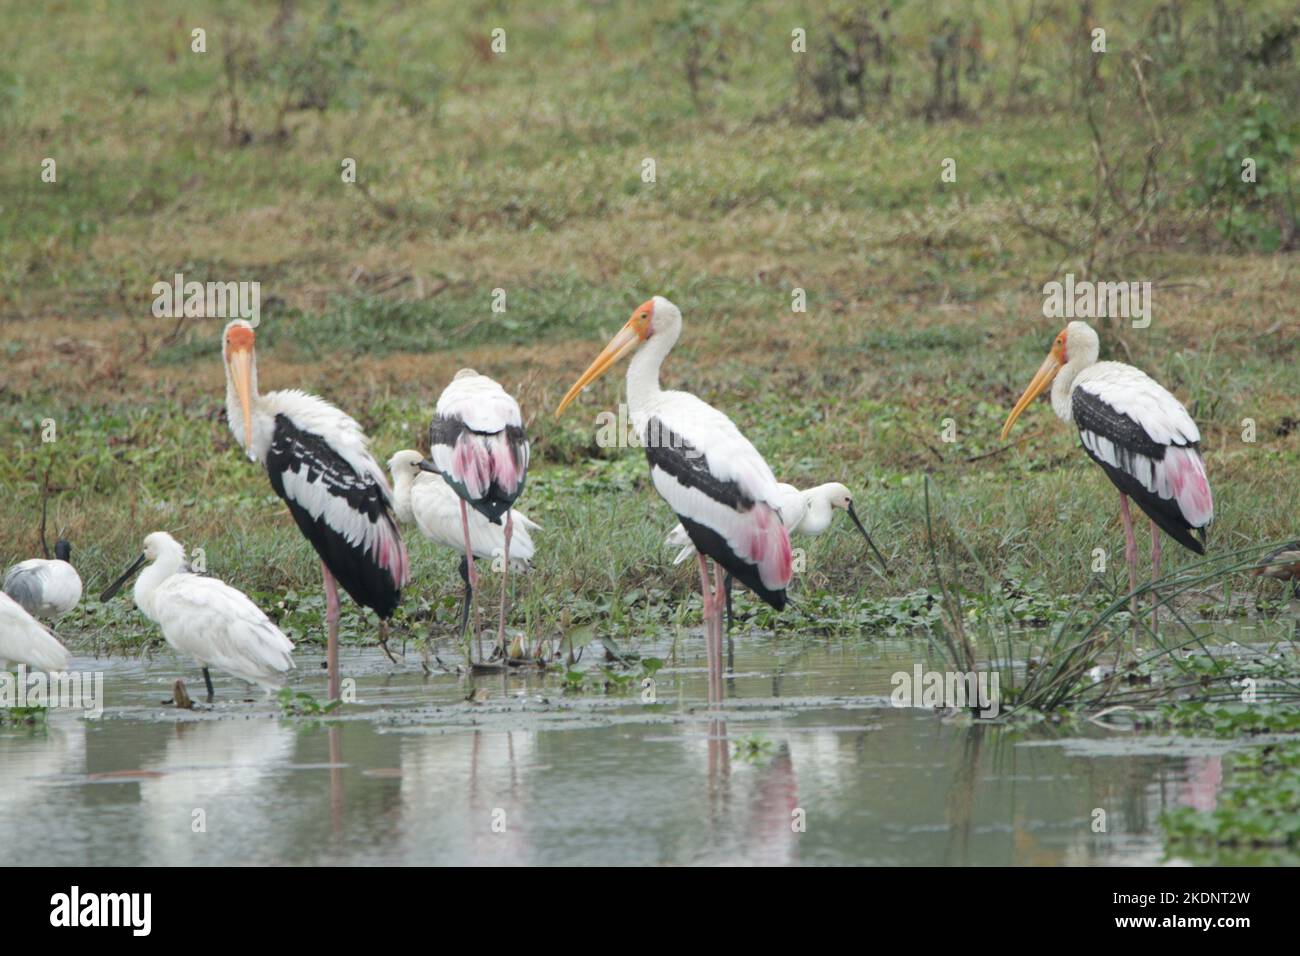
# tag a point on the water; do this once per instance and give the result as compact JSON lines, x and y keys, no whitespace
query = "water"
{"x":414,"y":773}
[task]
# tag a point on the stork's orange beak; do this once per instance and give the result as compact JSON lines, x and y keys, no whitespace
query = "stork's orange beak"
{"x":636,"y":331}
{"x":1041,"y":380}
{"x":241,"y":373}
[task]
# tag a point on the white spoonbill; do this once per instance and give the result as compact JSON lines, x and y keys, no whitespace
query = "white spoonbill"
{"x":46,"y":588}
{"x":1138,"y":433}
{"x":721,"y":489}
{"x":25,"y":640}
{"x":424,"y":498}
{"x":319,"y":462}
{"x":477,"y":443}
{"x":807,"y":513}
{"x":205,"y":618}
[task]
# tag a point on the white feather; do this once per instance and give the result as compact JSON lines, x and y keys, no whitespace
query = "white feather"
{"x":426,"y":500}
{"x":44,"y":588}
{"x":24,"y":640}
{"x":210,"y":621}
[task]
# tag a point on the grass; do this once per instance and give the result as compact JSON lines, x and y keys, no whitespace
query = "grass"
{"x":521,"y":172}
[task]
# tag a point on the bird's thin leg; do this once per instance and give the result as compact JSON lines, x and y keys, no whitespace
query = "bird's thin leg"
{"x":726,"y":589}
{"x":383,"y":641}
{"x":469,"y":590}
{"x":332,"y":622}
{"x":708,"y":619}
{"x":1130,"y":553}
{"x":721,"y":592}
{"x":1155,"y":552}
{"x":1155,"y":575}
{"x":473,"y":576}
{"x":505,"y":581}
{"x":207,"y":679}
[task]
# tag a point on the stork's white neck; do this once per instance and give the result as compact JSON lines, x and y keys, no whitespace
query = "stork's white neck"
{"x":1064,"y":381}
{"x":643,"y":371}
{"x":164,"y":566}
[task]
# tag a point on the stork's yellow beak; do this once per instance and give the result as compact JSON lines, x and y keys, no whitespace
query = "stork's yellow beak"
{"x":1041,"y":380}
{"x":636,"y":331}
{"x":241,"y":373}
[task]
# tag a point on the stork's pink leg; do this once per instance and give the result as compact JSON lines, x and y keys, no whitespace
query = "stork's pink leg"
{"x":708,"y":620}
{"x":1155,"y":552}
{"x":505,"y":582}
{"x":1155,"y":574}
{"x":332,"y":623}
{"x":1131,"y":553}
{"x":473,"y":576}
{"x":720,"y":595}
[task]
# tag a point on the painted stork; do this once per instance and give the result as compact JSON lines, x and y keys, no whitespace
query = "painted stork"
{"x":477,"y":444}
{"x":25,"y":640}
{"x":425,"y":499}
{"x":807,"y":512}
{"x":205,"y":618}
{"x":319,"y":462}
{"x":1139,"y":434}
{"x":721,"y":489}
{"x":1282,"y":564}
{"x":46,"y":588}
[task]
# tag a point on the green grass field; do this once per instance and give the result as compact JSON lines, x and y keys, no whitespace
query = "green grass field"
{"x":522,"y":171}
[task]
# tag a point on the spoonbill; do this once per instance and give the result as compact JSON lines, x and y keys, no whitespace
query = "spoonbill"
{"x":425,"y":499}
{"x":25,"y":640}
{"x":205,"y":618}
{"x":717,"y":483}
{"x":319,"y":462}
{"x":1138,"y":433}
{"x":46,"y":588}
{"x":477,"y":444}
{"x":807,"y":512}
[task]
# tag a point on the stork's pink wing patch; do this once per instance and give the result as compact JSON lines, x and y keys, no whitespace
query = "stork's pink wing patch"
{"x":1185,"y":472}
{"x":768,"y":547}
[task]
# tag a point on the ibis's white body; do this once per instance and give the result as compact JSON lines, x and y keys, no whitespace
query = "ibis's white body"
{"x":45,"y":588}
{"x":25,"y":640}
{"x":426,"y":500}
{"x":210,"y":621}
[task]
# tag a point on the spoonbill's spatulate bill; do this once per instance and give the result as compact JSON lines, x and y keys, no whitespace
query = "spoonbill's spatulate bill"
{"x":319,"y":462}
{"x":1138,"y":433}
{"x":206,"y":619}
{"x":721,"y":489}
{"x":25,"y":640}
{"x":45,"y":588}
{"x":425,"y":499}
{"x":807,"y":513}
{"x":477,"y":444}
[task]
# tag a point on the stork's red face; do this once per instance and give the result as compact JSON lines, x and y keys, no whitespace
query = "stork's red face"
{"x":638,"y":328}
{"x":239,"y":368}
{"x":1041,"y":380}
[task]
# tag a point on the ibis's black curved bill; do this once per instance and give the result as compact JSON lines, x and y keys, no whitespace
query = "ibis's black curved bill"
{"x":880,"y":557}
{"x":111,"y":591}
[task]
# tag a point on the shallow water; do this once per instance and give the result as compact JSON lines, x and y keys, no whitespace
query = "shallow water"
{"x":416,"y":774}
